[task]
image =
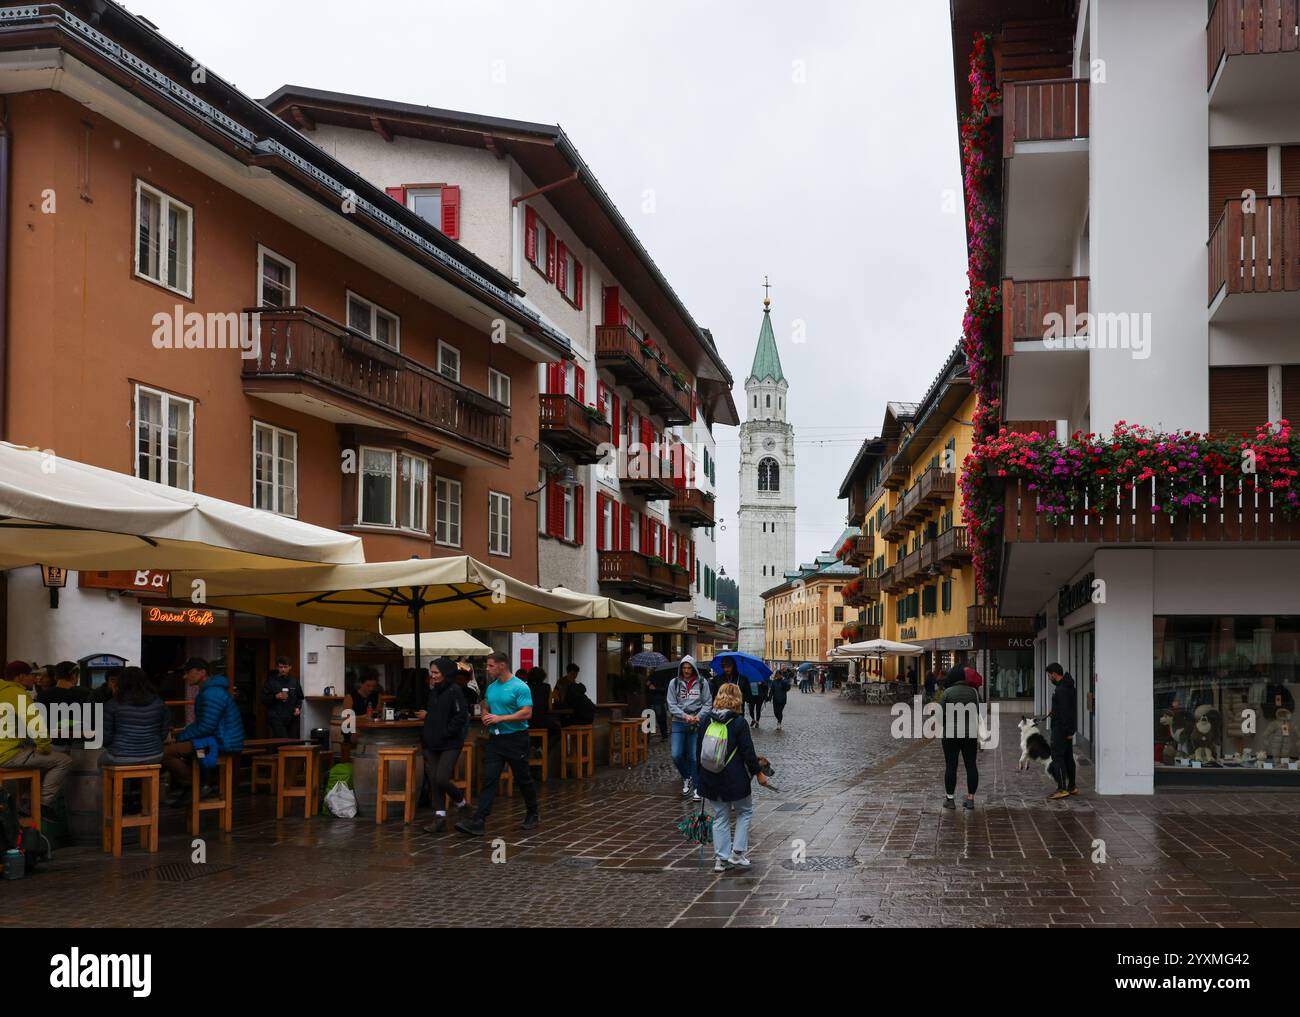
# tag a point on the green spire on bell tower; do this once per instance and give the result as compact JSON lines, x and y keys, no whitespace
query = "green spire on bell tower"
{"x":767,"y":361}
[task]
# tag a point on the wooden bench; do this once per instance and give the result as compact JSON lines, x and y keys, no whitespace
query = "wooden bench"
{"x":115,"y":821}
{"x":33,"y":777}
{"x":387,"y":757}
{"x":543,"y":761}
{"x":462,"y":776}
{"x":308,"y":790}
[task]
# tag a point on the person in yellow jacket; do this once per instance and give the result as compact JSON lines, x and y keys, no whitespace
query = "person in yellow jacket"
{"x":24,"y":740}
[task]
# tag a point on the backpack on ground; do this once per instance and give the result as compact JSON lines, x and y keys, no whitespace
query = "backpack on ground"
{"x":14,"y":836}
{"x":714,"y":756}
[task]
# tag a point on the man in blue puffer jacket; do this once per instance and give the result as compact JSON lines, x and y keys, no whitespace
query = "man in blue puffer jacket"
{"x":216,"y":716}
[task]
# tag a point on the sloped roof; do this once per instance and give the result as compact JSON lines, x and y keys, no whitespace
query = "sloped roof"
{"x":767,"y":361}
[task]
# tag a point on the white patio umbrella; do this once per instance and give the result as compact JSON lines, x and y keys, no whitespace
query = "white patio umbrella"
{"x":56,"y":511}
{"x":454,"y":643}
{"x":878,"y":649}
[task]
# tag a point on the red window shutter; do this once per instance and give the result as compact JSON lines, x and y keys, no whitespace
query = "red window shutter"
{"x":398,"y":194}
{"x":616,"y":419}
{"x":647,"y":434}
{"x":580,"y":384}
{"x":550,"y":255}
{"x":609,"y":313}
{"x":561,"y":269}
{"x":577,"y":284}
{"x":600,"y":522}
{"x":451,"y":212}
{"x":555,"y":378}
{"x":672,"y":545}
{"x":625,"y":530}
{"x":554,"y":509}
{"x":692,"y":556}
{"x":579,"y":514}
{"x":530,"y":235}
{"x":602,"y":397}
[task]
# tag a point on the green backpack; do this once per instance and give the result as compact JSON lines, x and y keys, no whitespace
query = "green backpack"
{"x":713,"y":750}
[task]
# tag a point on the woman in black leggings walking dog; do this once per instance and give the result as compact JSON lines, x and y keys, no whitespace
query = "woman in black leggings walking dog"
{"x":959,"y":703}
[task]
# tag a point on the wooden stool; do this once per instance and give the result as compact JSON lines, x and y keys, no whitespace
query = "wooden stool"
{"x":33,"y":777}
{"x":308,"y":790}
{"x":576,"y":751}
{"x":642,"y":744}
{"x":506,"y":785}
{"x":462,"y":775}
{"x":115,"y":778}
{"x":544,"y":736}
{"x":623,"y":741}
{"x":387,"y":757}
{"x":266,"y":773}
{"x":227,"y":764}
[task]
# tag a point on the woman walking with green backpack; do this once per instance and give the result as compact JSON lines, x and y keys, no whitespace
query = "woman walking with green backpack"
{"x":727,"y":764}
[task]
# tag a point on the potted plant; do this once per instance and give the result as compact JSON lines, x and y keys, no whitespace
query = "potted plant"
{"x":594,"y":415}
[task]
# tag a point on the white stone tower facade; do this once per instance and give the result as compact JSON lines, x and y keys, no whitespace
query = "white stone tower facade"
{"x":767,"y":509}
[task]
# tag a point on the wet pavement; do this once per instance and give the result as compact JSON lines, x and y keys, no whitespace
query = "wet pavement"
{"x":856,"y":836}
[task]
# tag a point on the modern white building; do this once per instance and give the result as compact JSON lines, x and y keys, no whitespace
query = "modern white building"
{"x":1146,"y":149}
{"x":767,"y":509}
{"x":644,"y":377}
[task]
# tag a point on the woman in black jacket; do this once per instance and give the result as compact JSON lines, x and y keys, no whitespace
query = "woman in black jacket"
{"x":959,"y":703}
{"x":724,"y":783}
{"x":446,"y":723}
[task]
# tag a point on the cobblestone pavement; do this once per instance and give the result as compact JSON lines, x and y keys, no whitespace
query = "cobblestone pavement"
{"x":878,"y":849}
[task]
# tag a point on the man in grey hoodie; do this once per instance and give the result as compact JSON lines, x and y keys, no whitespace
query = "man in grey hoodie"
{"x":688,"y":701}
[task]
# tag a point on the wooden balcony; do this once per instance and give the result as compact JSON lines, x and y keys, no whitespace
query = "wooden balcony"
{"x":1250,"y":27}
{"x":1249,"y":516}
{"x":1027,"y":306}
{"x":1053,"y":109}
{"x":894,"y":474}
{"x":948,"y":550}
{"x":894,"y":529}
{"x":692,"y":506}
{"x":857,"y":505}
{"x":1256,"y":252}
{"x":633,"y":572}
{"x":909,"y":569}
{"x":985,"y":618}
{"x":934,"y":487}
{"x":651,"y":479}
{"x":891,"y":580}
{"x":568,"y":426}
{"x":860,"y":551}
{"x":325,"y":369}
{"x":866,"y":594}
{"x":623,"y":355}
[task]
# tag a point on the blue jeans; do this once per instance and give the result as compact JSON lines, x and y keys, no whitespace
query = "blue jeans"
{"x":685,"y":756}
{"x":723,"y":845}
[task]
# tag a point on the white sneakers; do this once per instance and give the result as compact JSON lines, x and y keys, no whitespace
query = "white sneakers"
{"x":695,"y":796}
{"x":722,"y":865}
{"x":740,"y":861}
{"x":734,"y":862}
{"x":686,"y":788}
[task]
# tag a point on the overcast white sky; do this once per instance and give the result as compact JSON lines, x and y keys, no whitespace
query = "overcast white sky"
{"x":813,"y":142}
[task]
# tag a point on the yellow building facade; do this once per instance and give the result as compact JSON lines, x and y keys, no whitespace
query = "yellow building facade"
{"x":804,"y":616}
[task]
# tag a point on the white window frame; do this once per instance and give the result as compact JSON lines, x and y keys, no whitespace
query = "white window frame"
{"x":375,"y":311}
{"x":164,"y":402}
{"x":498,"y":384}
{"x":499,"y":542}
{"x":414,"y":192}
{"x":437,"y":510}
{"x":443,"y":347}
{"x":165,"y":201}
{"x":541,"y":249}
{"x":607,"y":523}
{"x":262,"y":253}
{"x":570,"y":513}
{"x":636,"y":532}
{"x":397,"y":489}
{"x":570,"y":276}
{"x":277,"y":434}
{"x":395,"y":457}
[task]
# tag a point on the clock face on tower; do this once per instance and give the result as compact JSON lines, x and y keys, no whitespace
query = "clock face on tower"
{"x":770,"y":444}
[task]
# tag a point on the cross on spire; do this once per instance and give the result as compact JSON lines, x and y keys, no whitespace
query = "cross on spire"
{"x":766,"y":294}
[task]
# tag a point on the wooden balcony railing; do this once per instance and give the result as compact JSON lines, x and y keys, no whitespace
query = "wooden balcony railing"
{"x":864,"y":631}
{"x":1259,"y":251}
{"x":1027,"y":308}
{"x":298,"y":345}
{"x":985,"y":618}
{"x":631,"y":570}
{"x":860,"y":551}
{"x":1048,"y":110}
{"x":910,"y":568}
{"x":567,"y":425}
{"x":934,"y":487}
{"x":894,"y":528}
{"x":951,"y":546}
{"x":620,"y":352}
{"x":857,"y":505}
{"x":1250,"y":515}
{"x":652,"y":480}
{"x":894,"y":474}
{"x":1238,"y":27}
{"x":891,"y":580}
{"x":691,"y":506}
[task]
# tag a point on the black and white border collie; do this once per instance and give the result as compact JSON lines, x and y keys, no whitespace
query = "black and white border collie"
{"x":1032,"y":744}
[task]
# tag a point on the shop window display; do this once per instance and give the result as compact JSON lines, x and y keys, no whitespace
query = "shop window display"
{"x":1225,"y":691}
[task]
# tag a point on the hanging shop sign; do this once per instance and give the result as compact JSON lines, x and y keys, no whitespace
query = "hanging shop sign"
{"x":1071,"y":598}
{"x":54,"y":577}
{"x":133,"y":580}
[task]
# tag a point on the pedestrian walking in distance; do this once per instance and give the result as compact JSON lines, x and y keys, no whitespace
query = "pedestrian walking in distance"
{"x":960,"y":736}
{"x":728,"y":763}
{"x":780,"y":688}
{"x":688,"y":699}
{"x":1064,"y":720}
{"x":446,"y":725}
{"x":508,"y":706}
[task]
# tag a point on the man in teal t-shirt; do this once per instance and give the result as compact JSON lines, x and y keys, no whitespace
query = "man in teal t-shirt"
{"x":508,"y":705}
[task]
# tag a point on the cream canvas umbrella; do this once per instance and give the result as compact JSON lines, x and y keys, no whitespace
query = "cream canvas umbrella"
{"x":456,"y":643}
{"x":56,"y":511}
{"x":417,"y":595}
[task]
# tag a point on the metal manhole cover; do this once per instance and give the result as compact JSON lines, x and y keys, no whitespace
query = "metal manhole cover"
{"x":822,"y":863}
{"x":178,"y":872}
{"x":578,"y":862}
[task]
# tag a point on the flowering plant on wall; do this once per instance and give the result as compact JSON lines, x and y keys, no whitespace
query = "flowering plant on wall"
{"x":1183,"y":473}
{"x":845,"y":549}
{"x":852,"y":632}
{"x":851,"y":589}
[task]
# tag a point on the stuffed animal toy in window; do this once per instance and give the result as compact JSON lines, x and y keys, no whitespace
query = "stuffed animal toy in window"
{"x":1174,"y":724}
{"x":1281,"y":739}
{"x":1206,"y":734}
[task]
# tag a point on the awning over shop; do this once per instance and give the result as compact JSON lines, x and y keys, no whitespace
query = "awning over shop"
{"x":455,"y":643}
{"x":611,"y":617}
{"x":61,"y":512}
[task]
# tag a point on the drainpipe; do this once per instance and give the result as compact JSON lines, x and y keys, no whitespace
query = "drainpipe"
{"x":4,"y":265}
